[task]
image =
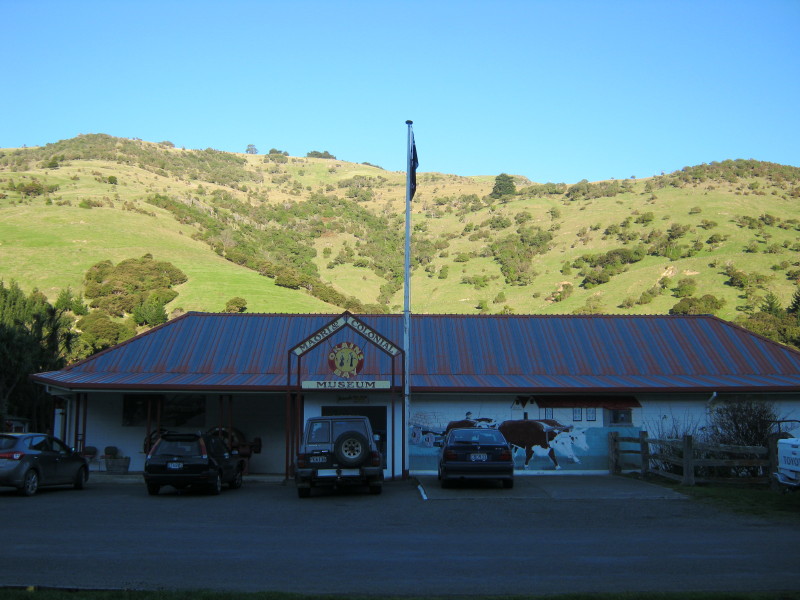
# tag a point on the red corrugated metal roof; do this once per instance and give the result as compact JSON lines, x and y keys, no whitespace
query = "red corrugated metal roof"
{"x":512,"y":353}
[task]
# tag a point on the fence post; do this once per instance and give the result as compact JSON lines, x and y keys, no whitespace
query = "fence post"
{"x":645,"y":452}
{"x":613,"y":453}
{"x":688,"y":460}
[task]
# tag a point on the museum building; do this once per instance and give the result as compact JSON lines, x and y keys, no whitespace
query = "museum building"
{"x":258,"y":377}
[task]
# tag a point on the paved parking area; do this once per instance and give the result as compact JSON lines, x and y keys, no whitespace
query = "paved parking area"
{"x":555,"y":487}
{"x":547,"y":535}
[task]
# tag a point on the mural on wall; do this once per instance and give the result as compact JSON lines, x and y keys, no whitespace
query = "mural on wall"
{"x":538,"y":444}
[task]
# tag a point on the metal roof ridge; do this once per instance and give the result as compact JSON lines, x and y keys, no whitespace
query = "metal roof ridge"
{"x":754,"y":334}
{"x":125,"y":342}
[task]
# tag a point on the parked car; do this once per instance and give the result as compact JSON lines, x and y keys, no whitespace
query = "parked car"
{"x":183,"y":460}
{"x":474,"y":453}
{"x":29,"y":461}
{"x":338,"y":451}
{"x":788,"y":473}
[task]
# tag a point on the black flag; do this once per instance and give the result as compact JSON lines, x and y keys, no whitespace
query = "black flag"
{"x":413,"y":164}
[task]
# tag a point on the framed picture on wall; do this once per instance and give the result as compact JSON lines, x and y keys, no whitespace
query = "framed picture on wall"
{"x":577,"y":414}
{"x":591,"y":414}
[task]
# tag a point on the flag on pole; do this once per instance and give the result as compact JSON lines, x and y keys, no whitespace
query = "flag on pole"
{"x":413,"y":163}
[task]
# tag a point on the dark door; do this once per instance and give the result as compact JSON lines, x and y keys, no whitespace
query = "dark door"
{"x":46,"y":459}
{"x":67,"y":462}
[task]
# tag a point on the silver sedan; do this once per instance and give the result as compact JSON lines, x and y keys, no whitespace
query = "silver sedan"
{"x":29,"y":461}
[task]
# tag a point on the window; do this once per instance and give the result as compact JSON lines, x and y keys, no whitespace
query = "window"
{"x":320,"y":433}
{"x":620,"y":416}
{"x":181,"y":410}
{"x":40,"y":443}
{"x":178,"y":448}
{"x":59,"y":447}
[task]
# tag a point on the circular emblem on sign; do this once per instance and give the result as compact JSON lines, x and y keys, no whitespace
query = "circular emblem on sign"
{"x":346,"y":360}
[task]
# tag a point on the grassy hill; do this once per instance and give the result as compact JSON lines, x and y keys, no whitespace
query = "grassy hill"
{"x":292,"y":234}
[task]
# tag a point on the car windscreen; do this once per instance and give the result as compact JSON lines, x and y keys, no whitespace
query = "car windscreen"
{"x":178,"y":448}
{"x":7,"y":442}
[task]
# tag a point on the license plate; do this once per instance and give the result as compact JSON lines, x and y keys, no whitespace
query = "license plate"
{"x":174,"y":465}
{"x":478,"y":456}
{"x":317,"y":459}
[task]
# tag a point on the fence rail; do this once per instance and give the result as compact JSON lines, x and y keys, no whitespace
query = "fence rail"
{"x":678,"y":459}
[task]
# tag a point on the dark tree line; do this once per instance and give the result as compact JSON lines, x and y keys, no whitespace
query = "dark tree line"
{"x":35,"y":336}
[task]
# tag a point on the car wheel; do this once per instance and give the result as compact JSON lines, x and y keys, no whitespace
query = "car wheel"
{"x":508,"y":483}
{"x":236,"y":482}
{"x":153,"y":489}
{"x":30,"y":483}
{"x":80,"y":478}
{"x":303,"y":492}
{"x":216,"y":486}
{"x":351,"y":449}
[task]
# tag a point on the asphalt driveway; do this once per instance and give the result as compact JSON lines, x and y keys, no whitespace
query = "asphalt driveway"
{"x":552,"y":487}
{"x":547,"y":535}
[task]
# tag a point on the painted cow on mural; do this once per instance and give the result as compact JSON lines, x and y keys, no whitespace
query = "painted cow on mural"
{"x":534,"y":436}
{"x":565,"y":443}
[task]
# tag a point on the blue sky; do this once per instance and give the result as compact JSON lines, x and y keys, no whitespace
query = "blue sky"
{"x":552,"y":90}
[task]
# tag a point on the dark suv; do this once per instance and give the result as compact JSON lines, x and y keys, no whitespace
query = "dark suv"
{"x":338,"y":451}
{"x":192,"y":459}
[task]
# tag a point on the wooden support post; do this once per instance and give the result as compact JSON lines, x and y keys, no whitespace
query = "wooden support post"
{"x":644,"y":450}
{"x":688,"y":460}
{"x":613,"y":453}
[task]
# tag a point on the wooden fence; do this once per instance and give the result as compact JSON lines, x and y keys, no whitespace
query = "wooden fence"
{"x":681,"y":459}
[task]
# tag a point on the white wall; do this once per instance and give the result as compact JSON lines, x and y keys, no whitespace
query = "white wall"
{"x":262,"y":415}
{"x":394,"y":424}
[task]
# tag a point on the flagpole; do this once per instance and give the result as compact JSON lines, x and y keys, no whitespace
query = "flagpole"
{"x":410,"y":167}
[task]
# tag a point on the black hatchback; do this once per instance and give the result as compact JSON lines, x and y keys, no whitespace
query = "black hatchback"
{"x":183,"y":460}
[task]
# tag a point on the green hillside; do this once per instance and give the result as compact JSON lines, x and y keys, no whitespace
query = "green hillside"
{"x":293,"y":234}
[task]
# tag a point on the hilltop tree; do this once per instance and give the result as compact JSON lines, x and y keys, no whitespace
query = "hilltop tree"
{"x":251,"y":149}
{"x":503,"y":186}
{"x":318,"y":154}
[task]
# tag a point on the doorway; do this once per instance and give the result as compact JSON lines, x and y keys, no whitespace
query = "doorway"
{"x":377,"y":420}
